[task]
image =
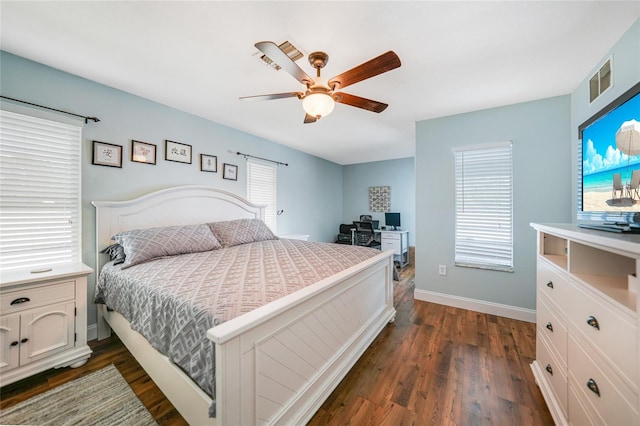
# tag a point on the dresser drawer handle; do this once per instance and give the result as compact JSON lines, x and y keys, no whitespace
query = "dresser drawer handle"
{"x":550,"y":326}
{"x":550,"y":284}
{"x":20,"y":300}
{"x":593,"y":322}
{"x":593,"y":387}
{"x":549,"y":369}
{"x":25,"y":340}
{"x":15,"y":343}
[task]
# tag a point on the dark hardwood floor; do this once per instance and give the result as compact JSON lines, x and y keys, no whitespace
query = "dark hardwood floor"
{"x":434,"y":365}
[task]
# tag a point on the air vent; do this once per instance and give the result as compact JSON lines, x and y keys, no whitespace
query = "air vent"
{"x":600,"y":81}
{"x":288,"y":48}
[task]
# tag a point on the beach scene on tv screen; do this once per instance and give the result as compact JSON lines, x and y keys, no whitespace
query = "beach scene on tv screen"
{"x":611,"y":161}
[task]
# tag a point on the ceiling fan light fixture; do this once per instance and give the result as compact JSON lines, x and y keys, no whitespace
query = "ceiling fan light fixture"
{"x":318,"y":104}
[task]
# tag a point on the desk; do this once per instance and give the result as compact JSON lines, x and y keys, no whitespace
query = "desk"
{"x":398,"y":241}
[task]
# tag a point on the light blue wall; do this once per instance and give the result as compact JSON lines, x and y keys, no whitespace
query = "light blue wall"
{"x":545,"y":137}
{"x":398,"y":174}
{"x":309,"y":188}
{"x":541,"y":133}
{"x":625,"y":58}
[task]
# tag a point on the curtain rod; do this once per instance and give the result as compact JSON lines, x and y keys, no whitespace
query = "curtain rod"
{"x":86,"y":118}
{"x":260,"y":158}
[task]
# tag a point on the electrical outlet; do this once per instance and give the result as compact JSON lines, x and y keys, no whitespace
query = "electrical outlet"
{"x":442,"y":269}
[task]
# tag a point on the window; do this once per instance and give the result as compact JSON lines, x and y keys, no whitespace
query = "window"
{"x":484,"y":206}
{"x":262,"y":189}
{"x":39,"y":192}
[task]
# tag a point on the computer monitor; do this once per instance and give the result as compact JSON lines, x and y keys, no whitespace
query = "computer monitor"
{"x":392,"y":220}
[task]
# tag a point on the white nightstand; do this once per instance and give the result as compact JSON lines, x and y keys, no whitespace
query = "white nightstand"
{"x":43,"y":321}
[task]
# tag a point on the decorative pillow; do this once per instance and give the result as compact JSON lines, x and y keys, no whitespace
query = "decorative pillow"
{"x":241,"y":231}
{"x":142,"y":245}
{"x":115,"y":252}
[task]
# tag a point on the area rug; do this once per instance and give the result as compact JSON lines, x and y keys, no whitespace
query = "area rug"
{"x":100,"y":398}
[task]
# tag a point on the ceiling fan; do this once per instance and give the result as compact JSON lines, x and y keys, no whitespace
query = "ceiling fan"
{"x":319,"y":98}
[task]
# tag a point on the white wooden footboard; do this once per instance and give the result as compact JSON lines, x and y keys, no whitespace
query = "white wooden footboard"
{"x":278,"y":363}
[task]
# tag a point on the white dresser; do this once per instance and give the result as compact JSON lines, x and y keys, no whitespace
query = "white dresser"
{"x":398,"y":241}
{"x":588,"y":328}
{"x":43,"y":321}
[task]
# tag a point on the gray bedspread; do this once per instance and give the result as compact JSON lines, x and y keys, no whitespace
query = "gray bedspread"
{"x":173,"y":301}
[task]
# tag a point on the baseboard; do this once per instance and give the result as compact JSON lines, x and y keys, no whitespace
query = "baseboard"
{"x":92,"y":332}
{"x":513,"y":312}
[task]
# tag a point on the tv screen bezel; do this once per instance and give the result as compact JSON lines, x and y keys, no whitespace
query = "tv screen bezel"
{"x":602,"y":216}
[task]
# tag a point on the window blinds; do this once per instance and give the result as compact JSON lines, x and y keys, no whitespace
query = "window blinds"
{"x":262,"y":189}
{"x":39,"y":191}
{"x":484,"y":206}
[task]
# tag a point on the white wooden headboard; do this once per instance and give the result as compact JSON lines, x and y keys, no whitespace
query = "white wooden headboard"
{"x":180,"y":205}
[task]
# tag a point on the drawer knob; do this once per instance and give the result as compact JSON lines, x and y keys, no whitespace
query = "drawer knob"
{"x":550,"y":284}
{"x":593,"y":387}
{"x":25,"y":340}
{"x":549,"y":369}
{"x":550,"y":326}
{"x":20,"y":300}
{"x":16,"y":343}
{"x":593,"y":322}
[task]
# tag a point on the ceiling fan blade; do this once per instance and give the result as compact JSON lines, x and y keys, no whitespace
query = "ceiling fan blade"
{"x":274,"y":53}
{"x":383,"y":63}
{"x":309,"y":119}
{"x":272,"y":96}
{"x":358,"y":102}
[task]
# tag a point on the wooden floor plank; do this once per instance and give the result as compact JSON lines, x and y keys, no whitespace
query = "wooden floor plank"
{"x":435,"y":365}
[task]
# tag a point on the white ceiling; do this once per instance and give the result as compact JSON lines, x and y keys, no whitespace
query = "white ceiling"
{"x":199,"y":57}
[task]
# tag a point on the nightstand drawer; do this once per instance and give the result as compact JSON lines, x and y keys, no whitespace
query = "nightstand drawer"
{"x":26,"y":298}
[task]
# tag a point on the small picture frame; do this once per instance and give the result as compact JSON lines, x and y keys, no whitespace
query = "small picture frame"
{"x":208,"y":163}
{"x":107,"y":154}
{"x":176,"y":151}
{"x":230,"y":172}
{"x":142,"y":152}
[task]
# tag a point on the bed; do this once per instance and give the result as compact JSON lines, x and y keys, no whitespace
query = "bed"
{"x":250,"y":387}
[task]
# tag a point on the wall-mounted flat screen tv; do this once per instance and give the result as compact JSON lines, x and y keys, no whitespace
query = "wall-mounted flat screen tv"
{"x":610,"y":162}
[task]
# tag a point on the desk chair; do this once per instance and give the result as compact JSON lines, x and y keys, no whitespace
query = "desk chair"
{"x":344,"y":236}
{"x":365,"y":235}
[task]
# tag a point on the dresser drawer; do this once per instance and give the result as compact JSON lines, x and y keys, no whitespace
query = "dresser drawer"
{"x":597,"y":386}
{"x":552,"y":326}
{"x":391,"y":236}
{"x":581,"y":414}
{"x":554,"y":371}
{"x":612,"y":333}
{"x":35,"y":296}
{"x":553,"y":284}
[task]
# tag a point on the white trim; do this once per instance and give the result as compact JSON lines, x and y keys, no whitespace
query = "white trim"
{"x":476,"y":147}
{"x":507,"y":311}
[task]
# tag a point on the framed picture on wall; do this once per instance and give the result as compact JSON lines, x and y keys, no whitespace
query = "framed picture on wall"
{"x":106,"y":154}
{"x":142,"y":152}
{"x":176,"y":151}
{"x":208,"y":163}
{"x":230,"y":172}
